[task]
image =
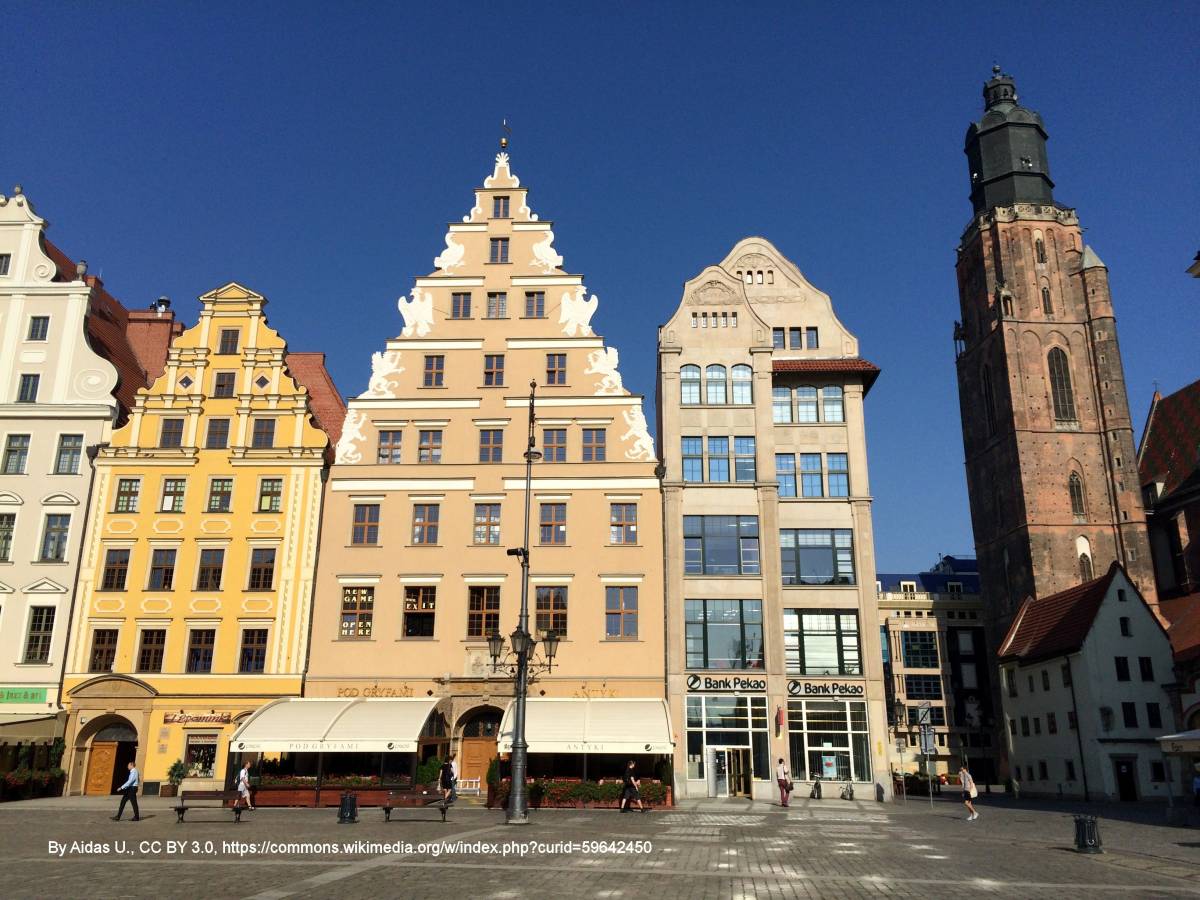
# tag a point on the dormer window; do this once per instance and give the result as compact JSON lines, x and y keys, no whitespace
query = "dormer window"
{"x":229,"y":341}
{"x":39,"y":328}
{"x":500,"y":207}
{"x":908,"y":587}
{"x":499,"y":252}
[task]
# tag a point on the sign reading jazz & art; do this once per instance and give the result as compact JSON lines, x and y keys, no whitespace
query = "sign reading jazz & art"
{"x":22,"y":695}
{"x":733,"y":684}
{"x":797,"y":688}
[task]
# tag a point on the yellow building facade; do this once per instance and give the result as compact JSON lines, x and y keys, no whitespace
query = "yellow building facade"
{"x":195,"y":586}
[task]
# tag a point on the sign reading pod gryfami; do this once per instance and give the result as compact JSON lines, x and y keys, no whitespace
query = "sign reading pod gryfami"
{"x":798,"y":688}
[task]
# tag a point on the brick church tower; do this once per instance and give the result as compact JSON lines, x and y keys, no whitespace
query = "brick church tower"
{"x":1051,"y":467}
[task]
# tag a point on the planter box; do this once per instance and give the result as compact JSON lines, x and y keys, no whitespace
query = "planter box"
{"x":168,"y":790}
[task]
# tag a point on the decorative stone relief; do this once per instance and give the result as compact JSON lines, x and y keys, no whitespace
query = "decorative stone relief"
{"x":385,"y":367}
{"x":265,"y":526}
{"x":205,"y":604}
{"x":603,"y":362}
{"x":155,"y":604}
{"x":508,"y":179}
{"x":576,"y":313}
{"x":452,"y":257}
{"x":257,"y":604}
{"x":643,"y":444}
{"x":754,"y":261}
{"x":121,"y":526}
{"x":477,"y":663}
{"x":167,"y":526}
{"x":544,"y":256}
{"x":214,"y":526}
{"x":712,"y":293}
{"x":417,"y":312}
{"x":352,"y":437}
{"x":109,"y":604}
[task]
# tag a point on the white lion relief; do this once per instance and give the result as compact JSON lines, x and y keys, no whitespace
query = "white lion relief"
{"x":643,"y":444}
{"x":577,"y":313}
{"x":603,"y":362}
{"x":352,"y":436}
{"x":544,"y":255}
{"x":417,"y":312}
{"x":385,"y":366}
{"x":452,"y":256}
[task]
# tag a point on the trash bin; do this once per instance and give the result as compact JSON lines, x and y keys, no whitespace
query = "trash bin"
{"x":1087,"y":835}
{"x":348,"y":809}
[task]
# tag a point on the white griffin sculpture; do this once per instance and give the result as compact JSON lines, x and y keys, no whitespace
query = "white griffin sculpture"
{"x":544,"y":255}
{"x":385,"y":366}
{"x":603,"y":362}
{"x":352,"y":436}
{"x":452,"y":256}
{"x":417,"y":312}
{"x":643,"y":444}
{"x":577,"y":313}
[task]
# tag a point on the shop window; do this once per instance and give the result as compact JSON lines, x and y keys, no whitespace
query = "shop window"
{"x":550,"y":610}
{"x":724,"y":634}
{"x":821,"y":642}
{"x":828,"y":738}
{"x":620,"y":613}
{"x":200,"y":755}
{"x":358,"y":612}
{"x":420,"y":607}
{"x":483,"y":610}
{"x":728,"y":722}
{"x":817,"y":556}
{"x":720,"y":545}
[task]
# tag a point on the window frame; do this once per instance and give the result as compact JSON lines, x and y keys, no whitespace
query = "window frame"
{"x":72,"y":453}
{"x":114,"y":573}
{"x":847,"y":642}
{"x":549,"y":518}
{"x":624,"y":611}
{"x":749,"y":661}
{"x":420,"y":606}
{"x":364,"y":525}
{"x":426,"y":521}
{"x":358,"y":610}
{"x":622,"y":527}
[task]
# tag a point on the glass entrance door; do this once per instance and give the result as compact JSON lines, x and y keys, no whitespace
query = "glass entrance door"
{"x":721,"y":771}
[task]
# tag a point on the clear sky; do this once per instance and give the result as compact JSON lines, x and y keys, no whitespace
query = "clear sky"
{"x":315,"y":151}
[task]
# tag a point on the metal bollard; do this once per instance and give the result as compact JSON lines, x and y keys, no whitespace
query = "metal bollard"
{"x":348,"y":809}
{"x":1087,"y":835}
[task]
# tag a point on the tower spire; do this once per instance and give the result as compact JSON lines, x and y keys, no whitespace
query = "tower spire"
{"x":1006,"y":150}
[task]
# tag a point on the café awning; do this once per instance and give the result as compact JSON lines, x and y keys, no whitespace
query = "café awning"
{"x":584,"y":725}
{"x":1184,"y":743}
{"x":23,"y":727}
{"x":319,"y":725}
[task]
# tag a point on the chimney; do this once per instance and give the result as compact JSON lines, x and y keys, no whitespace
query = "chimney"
{"x":161,"y":305}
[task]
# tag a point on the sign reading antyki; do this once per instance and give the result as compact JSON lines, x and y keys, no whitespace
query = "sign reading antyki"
{"x":826,"y":689}
{"x":729,"y":683}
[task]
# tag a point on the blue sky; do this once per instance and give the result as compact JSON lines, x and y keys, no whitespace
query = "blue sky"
{"x":315,"y":151}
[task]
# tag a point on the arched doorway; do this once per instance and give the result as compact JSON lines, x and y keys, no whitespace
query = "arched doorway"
{"x":479,"y":730}
{"x":112,"y":747}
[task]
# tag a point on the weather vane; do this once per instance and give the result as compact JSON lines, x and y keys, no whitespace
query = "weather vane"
{"x":506,"y":135}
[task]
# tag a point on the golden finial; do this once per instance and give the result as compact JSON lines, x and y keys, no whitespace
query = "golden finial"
{"x":507,"y":134}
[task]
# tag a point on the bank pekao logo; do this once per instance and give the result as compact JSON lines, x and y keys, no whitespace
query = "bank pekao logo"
{"x":825,"y":689}
{"x":693,"y":682}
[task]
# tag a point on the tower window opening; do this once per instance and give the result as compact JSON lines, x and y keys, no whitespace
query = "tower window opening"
{"x":1047,"y":307}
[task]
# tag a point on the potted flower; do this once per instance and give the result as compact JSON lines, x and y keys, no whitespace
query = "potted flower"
{"x":175,"y":776}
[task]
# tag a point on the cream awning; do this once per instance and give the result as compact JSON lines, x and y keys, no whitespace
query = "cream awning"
{"x":581,"y":725}
{"x":35,"y":727}
{"x":1184,"y":743}
{"x":318,"y":725}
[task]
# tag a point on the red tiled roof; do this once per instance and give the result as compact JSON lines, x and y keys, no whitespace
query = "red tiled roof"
{"x":326,"y":403}
{"x":869,"y":371}
{"x":1170,"y":450}
{"x":1184,"y":615}
{"x":1058,"y":624}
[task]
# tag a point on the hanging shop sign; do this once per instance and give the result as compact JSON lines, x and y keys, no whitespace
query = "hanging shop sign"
{"x":733,"y":684}
{"x":797,"y":688}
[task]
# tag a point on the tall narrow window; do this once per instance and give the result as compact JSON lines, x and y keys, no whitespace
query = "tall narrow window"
{"x":70,"y":449}
{"x":171,"y":433}
{"x":714,"y":385}
{"x":27,"y":391}
{"x":497,"y":305}
{"x":220,"y":495}
{"x":781,"y":405}
{"x":460,"y":305}
{"x":989,"y":400}
{"x":150,"y":653}
{"x":253,"y":657}
{"x":54,"y":538}
{"x":693,"y":458}
{"x":491,"y":445}
{"x":1047,"y":306}
{"x":832,"y":409}
{"x":263,"y":437}
{"x":811,"y":339}
{"x":595,"y":442}
{"x":743,"y":385}
{"x":839,"y":474}
{"x":1060,"y":385}
{"x":389,"y":447}
{"x":435,"y":371}
{"x":39,"y":328}
{"x":172,"y":495}
{"x":5,"y":262}
{"x":162,"y":569}
{"x":425,"y":522}
{"x":622,"y":527}
{"x":483,"y":610}
{"x":554,"y":445}
{"x":358,"y":612}
{"x":212,"y":566}
{"x":1085,"y":567}
{"x":1075,"y":489}
{"x":718,"y":459}
{"x":810,"y":475}
{"x":487,"y":524}
{"x":785,"y":473}
{"x":116,"y":568}
{"x":429,"y":446}
{"x":223,"y":384}
{"x":201,"y":642}
{"x":552,"y":523}
{"x":535,"y":304}
{"x":218,"y":434}
{"x":499,"y":250}
{"x":620,"y":613}
{"x":795,"y":338}
{"x":420,"y":608}
{"x":556,"y":368}
{"x":778,"y":338}
{"x":8,"y":524}
{"x":493,"y":369}
{"x":16,"y":454}
{"x":500,"y":207}
{"x":689,"y":385}
{"x":806,"y":404}
{"x":229,"y":341}
{"x":365,"y":529}
{"x":1039,"y":247}
{"x":550,"y":613}
{"x":270,"y":495}
{"x":262,"y":569}
{"x":127,"y":495}
{"x":744,"y":461}
{"x":40,"y":635}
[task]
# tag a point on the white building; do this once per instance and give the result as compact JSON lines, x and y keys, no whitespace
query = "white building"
{"x":1082,"y":685}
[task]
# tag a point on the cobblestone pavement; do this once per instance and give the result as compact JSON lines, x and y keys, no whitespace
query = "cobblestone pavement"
{"x":705,"y":850}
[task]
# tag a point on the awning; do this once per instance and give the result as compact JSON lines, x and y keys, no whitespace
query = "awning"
{"x":582,"y":725}
{"x":317,"y":725}
{"x":26,"y":727}
{"x":1183,"y":743}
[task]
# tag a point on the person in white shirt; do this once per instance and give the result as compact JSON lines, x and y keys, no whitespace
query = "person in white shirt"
{"x":785,"y":782}
{"x":453,"y":777}
{"x":969,"y":792}
{"x":128,"y":792}
{"x":243,"y":785}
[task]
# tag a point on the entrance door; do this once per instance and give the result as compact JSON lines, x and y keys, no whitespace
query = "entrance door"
{"x":476,"y":754}
{"x":739,"y":771}
{"x":102,"y":764}
{"x":1126,"y":779}
{"x":720,"y":764}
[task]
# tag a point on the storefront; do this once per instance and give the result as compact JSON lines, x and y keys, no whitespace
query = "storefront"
{"x":728,"y":737}
{"x":828,"y":736}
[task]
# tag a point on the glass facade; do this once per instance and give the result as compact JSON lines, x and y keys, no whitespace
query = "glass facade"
{"x":829,"y":738}
{"x":725,"y":721}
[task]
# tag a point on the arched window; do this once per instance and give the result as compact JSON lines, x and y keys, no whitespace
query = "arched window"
{"x":743,"y":392}
{"x":714,"y":386}
{"x":1075,"y":488}
{"x":806,"y":403}
{"x":1060,"y":386}
{"x":689,"y":385}
{"x":1047,"y":306}
{"x":1040,"y":247}
{"x":989,"y":401}
{"x":1085,"y":567}
{"x":832,"y":409}
{"x":781,"y":404}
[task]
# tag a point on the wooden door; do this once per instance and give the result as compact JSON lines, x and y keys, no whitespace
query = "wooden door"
{"x":101,"y":762}
{"x":476,"y":754}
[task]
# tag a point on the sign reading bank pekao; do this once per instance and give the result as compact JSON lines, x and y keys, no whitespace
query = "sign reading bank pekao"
{"x":731,"y":683}
{"x":826,"y":688}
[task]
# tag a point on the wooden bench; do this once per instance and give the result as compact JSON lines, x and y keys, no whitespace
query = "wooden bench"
{"x":186,"y":796}
{"x":422,"y":797}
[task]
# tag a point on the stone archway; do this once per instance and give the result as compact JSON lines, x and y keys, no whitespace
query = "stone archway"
{"x":108,"y":743}
{"x":478,"y":730}
{"x":108,"y":701}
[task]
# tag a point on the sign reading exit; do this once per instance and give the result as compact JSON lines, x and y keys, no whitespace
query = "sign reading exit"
{"x":22,"y":695}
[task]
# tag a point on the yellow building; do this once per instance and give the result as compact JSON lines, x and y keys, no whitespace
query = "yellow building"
{"x":194,"y":593}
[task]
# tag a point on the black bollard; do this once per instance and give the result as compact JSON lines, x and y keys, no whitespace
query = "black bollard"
{"x":1087,"y":835}
{"x":348,"y":809}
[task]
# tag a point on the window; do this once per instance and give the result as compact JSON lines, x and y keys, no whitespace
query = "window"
{"x":594,"y":444}
{"x":929,"y":687}
{"x":1072,"y":721}
{"x":693,"y":458}
{"x":420,"y":607}
{"x":253,"y":657}
{"x":1047,"y":306}
{"x":500,"y":207}
{"x":171,"y":433}
{"x":743,"y":385}
{"x":358,"y":612}
{"x":552,"y":522}
{"x":781,"y":405}
{"x":1121,"y":598}
{"x":1123,"y":621}
{"x":223,"y":383}
{"x":487,"y":523}
{"x":622,"y":523}
{"x":389,"y":447}
{"x":429,"y":446}
{"x":1040,"y":249}
{"x":795,"y":338}
{"x":435,"y":371}
{"x":162,"y":569}
{"x":714,"y":385}
{"x":425,"y":522}
{"x":116,"y":568}
{"x":556,"y":368}
{"x":831,"y":404}
{"x":16,"y":454}
{"x":70,"y":450}
{"x":491,"y":445}
{"x":1042,"y":772}
{"x":554,"y":445}
{"x":718,"y":459}
{"x":499,"y":250}
{"x":1085,"y":567}
{"x":1051,"y":723}
{"x":264,"y":434}
{"x":262,"y":569}
{"x":989,"y":401}
{"x":41,"y":630}
{"x":689,"y":385}
{"x":497,"y":305}
{"x":28,"y":390}
{"x":535,"y":304}
{"x":1122,"y":667}
{"x":493,"y":369}
{"x":839,"y":476}
{"x":218,"y":434}
{"x":920,"y":649}
{"x":1070,"y":768}
{"x":829,"y":737}
{"x":270,"y":495}
{"x":1037,"y":725}
{"x":39,"y":327}
{"x":8,"y":524}
{"x":778,"y":338}
{"x":150,"y":653}
{"x":127,"y":495}
{"x":200,"y":755}
{"x":483,"y":610}
{"x":365,"y":529}
{"x":1153,"y":715}
{"x":620,"y":613}
{"x":723,"y":634}
{"x":821,"y":642}
{"x":811,"y":341}
{"x":172,"y":495}
{"x":1158,"y":771}
{"x":201,"y":642}
{"x":1060,"y":386}
{"x":1129,"y":714}
{"x":229,"y":341}
{"x":806,"y":404}
{"x":54,"y":538}
{"x":785,"y":474}
{"x":1075,"y":489}
{"x":460,"y":305}
{"x":817,"y":555}
{"x":212,"y":564}
{"x":1066,"y":675}
{"x":937,"y":715}
{"x":104,"y":650}
{"x":550,"y":610}
{"x":1045,"y":680}
{"x":720,"y":545}
{"x":1146,"y":667}
{"x":220,"y":495}
{"x":744,"y":466}
{"x":5,"y":261}
{"x":810,"y":475}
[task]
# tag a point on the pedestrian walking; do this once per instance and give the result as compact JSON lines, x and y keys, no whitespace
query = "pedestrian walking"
{"x":128,"y":792}
{"x":1196,"y":789}
{"x":969,"y":792}
{"x":631,"y":788}
{"x":453,"y":778}
{"x":446,"y":782}
{"x":243,"y":785}
{"x":784,"y":777}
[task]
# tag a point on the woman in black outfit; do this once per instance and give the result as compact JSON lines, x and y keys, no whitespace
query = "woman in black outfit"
{"x":632,"y":788}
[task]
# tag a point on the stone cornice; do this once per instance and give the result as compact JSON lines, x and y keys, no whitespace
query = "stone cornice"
{"x":1030,"y":212}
